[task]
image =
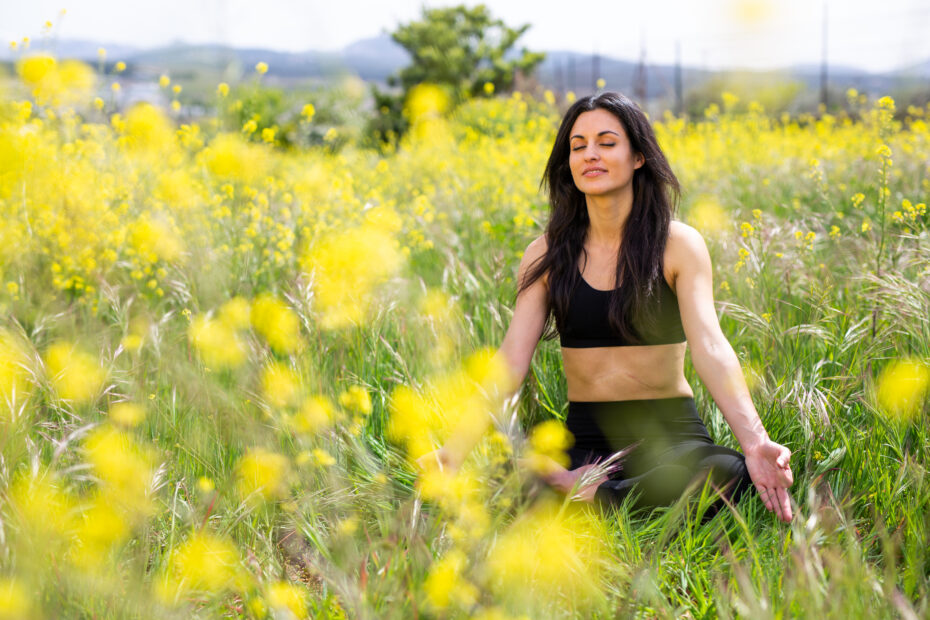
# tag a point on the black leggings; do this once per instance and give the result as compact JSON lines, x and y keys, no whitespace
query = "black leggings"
{"x":672,"y":449}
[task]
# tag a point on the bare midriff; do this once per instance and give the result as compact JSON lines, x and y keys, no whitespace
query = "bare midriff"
{"x":626,"y":373}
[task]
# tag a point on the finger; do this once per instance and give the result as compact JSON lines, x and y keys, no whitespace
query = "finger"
{"x":783,"y":501}
{"x":765,"y":496}
{"x":784,"y":458}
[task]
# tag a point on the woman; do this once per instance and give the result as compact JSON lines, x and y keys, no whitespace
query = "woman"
{"x":628,"y":288}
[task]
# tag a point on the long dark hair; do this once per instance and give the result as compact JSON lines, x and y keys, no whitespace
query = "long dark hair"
{"x":655,"y":196}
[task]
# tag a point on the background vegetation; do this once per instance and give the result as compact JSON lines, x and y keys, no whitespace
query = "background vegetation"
{"x":220,"y":354}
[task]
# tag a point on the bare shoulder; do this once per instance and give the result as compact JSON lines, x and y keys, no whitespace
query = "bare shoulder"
{"x":535,"y":250}
{"x":685,"y":242}
{"x":534,"y":253}
{"x":685,"y":249}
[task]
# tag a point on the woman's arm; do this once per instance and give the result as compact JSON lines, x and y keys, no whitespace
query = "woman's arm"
{"x":529,"y":317}
{"x":516,"y":351}
{"x":718,"y":367}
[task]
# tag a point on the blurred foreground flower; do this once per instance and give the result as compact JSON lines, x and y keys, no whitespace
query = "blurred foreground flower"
{"x":425,"y":102}
{"x":262,"y":475}
{"x":154,"y":239}
{"x":205,"y":563}
{"x":148,"y":131}
{"x":550,"y":556}
{"x":549,"y":441}
{"x":123,"y":468}
{"x":708,"y":216}
{"x":75,"y":374}
{"x":217,"y":343}
{"x":445,"y":585}
{"x":280,"y":385}
{"x":346,"y":268}
{"x":277,"y":323}
{"x":43,"y":508}
{"x":314,"y":416}
{"x":14,"y":374}
{"x":453,"y":409}
{"x":356,"y":399}
{"x":15,"y":600}
{"x":51,"y":82}
{"x":902,"y":387}
{"x":127,"y":415}
{"x":287,"y":599}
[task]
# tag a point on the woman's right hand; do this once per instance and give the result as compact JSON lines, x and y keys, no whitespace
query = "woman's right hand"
{"x":770,"y":470}
{"x":568,"y":481}
{"x":441,"y":458}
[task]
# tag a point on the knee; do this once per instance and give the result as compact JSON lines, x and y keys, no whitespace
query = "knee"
{"x":728,"y":473}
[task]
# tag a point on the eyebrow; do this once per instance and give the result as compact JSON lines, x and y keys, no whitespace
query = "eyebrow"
{"x":606,"y":131}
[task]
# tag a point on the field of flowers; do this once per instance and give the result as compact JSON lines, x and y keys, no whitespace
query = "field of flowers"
{"x":219,"y":360}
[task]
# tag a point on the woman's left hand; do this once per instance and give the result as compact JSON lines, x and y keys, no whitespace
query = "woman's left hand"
{"x":769,"y":468}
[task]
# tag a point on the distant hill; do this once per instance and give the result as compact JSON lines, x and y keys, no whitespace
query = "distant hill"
{"x":374,"y":59}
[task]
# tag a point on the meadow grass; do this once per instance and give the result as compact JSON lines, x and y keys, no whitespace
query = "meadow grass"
{"x":294,"y":327}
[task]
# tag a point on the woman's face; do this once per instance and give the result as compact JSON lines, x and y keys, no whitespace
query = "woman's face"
{"x":601,"y":158}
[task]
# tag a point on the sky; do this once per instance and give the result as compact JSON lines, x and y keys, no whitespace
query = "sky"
{"x":875,"y":35}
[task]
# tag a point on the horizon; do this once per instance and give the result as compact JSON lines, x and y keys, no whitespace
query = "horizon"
{"x":717,"y":35}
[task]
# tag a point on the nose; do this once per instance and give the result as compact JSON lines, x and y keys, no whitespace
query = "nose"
{"x":590,"y":153}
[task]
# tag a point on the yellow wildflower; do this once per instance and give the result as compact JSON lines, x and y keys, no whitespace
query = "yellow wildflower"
{"x":708,"y":216}
{"x":75,"y":374}
{"x":346,"y":268}
{"x":280,"y":385}
{"x":287,"y":598}
{"x":550,"y":556}
{"x":549,"y":441}
{"x":101,"y":527}
{"x":308,"y":111}
{"x":204,"y":563}
{"x":445,"y":586}
{"x":126,"y":414}
{"x":123,"y":468}
{"x":315,"y":415}
{"x":43,"y":508}
{"x":15,"y":599}
{"x":262,"y":475}
{"x":902,"y":388}
{"x":276,"y":322}
{"x":14,"y":373}
{"x":218,"y":345}
{"x":323,"y":458}
{"x":356,"y":398}
{"x":205,"y":485}
{"x":148,"y":130}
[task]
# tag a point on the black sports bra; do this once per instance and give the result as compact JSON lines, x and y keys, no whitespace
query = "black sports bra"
{"x":587,"y":325}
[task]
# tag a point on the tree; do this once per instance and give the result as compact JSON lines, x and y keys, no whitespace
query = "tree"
{"x":459,"y":49}
{"x":463,"y":49}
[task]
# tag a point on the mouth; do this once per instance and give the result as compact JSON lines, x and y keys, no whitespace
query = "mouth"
{"x":593,"y":172}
